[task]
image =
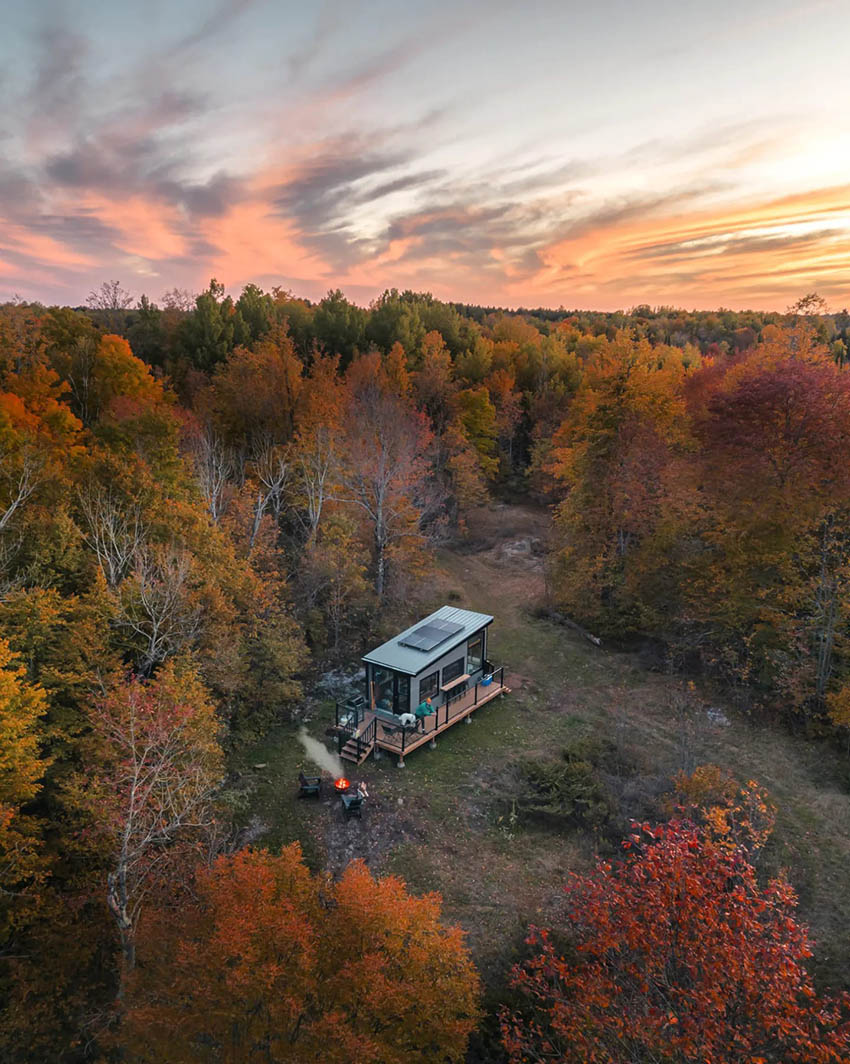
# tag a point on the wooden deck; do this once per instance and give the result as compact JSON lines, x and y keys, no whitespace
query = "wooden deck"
{"x":395,"y":740}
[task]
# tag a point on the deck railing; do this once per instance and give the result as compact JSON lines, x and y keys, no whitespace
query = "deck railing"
{"x":365,"y":740}
{"x":348,"y":719}
{"x":398,"y":737}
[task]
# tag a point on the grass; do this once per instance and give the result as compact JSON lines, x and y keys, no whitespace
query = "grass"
{"x":437,"y":822}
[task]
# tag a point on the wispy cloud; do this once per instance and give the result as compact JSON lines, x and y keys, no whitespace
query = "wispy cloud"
{"x":364,"y":155}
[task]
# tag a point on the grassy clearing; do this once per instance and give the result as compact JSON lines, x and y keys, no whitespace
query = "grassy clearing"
{"x":442,"y":824}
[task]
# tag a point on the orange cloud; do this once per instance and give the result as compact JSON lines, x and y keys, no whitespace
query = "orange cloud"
{"x":758,"y":254}
{"x":39,"y":247}
{"x":147,"y":228}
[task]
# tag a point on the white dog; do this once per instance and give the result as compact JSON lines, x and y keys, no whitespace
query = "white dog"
{"x":407,"y":720}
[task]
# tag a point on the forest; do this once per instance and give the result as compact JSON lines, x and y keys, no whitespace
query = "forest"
{"x":208,"y":503}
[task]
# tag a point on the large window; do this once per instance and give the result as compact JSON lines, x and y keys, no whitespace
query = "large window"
{"x":451,"y":672}
{"x":382,"y":687}
{"x":429,"y":685}
{"x":475,"y":652}
{"x":390,"y":690}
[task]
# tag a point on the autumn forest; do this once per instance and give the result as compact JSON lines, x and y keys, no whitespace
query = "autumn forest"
{"x":207,"y":504}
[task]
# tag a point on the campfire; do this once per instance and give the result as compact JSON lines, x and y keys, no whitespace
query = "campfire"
{"x":341,"y":785}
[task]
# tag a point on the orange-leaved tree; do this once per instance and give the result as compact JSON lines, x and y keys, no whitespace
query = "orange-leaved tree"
{"x":266,"y":962}
{"x":676,"y":955}
{"x":21,"y":768}
{"x":385,"y":470}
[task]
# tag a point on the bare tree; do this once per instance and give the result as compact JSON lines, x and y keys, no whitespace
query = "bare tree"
{"x":178,"y":299}
{"x":21,"y":474}
{"x":115,"y":533}
{"x":809,"y":305}
{"x":215,"y":465}
{"x":110,"y":296}
{"x":80,"y":373}
{"x":315,"y":461}
{"x":158,"y":605}
{"x":271,"y":466}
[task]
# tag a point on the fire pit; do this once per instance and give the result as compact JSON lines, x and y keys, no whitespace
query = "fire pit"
{"x":341,"y":785}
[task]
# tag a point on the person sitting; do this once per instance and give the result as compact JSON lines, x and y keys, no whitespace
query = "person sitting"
{"x":423,"y":710}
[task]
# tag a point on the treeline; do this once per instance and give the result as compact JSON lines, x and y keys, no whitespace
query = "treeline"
{"x":198,"y":499}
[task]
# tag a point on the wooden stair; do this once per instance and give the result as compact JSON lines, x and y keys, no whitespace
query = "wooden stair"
{"x":349,"y":751}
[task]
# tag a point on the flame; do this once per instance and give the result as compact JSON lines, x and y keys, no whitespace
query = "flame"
{"x":342,"y":784}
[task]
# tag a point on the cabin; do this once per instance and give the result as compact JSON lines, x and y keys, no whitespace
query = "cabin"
{"x":431,"y":676}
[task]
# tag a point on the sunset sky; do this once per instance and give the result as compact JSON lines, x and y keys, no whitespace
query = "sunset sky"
{"x":553,"y":153}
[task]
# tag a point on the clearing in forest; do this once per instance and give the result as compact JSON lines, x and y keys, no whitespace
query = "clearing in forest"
{"x":456,"y":819}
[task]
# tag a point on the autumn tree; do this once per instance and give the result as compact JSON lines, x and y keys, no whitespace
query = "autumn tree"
{"x":435,"y":383}
{"x":266,"y":962}
{"x":775,"y":577}
{"x":317,"y":446}
{"x":384,"y":466}
{"x":39,"y":437}
{"x":477,"y":419}
{"x":153,"y":765}
{"x":22,"y":705}
{"x":332,"y":576}
{"x":255,"y":392}
{"x":612,"y":456}
{"x":216,"y":467}
{"x":676,"y":954}
{"x":99,"y":369}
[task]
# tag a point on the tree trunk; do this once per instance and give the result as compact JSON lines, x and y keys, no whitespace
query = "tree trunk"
{"x":380,"y":568}
{"x":116,"y":899}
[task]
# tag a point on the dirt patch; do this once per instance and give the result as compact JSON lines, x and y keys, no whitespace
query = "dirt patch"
{"x":384,"y":826}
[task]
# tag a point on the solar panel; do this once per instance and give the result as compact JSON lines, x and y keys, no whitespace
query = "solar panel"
{"x":430,"y":635}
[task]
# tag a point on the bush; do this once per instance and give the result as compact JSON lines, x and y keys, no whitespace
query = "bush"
{"x":569,"y":791}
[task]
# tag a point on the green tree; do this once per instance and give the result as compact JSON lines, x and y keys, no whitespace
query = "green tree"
{"x":340,"y":327}
{"x":209,"y":333}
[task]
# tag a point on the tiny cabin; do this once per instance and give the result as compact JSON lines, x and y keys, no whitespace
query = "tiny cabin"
{"x":420,"y":682}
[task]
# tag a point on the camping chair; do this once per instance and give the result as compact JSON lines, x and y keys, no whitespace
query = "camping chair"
{"x":352,"y":805}
{"x":309,"y":786}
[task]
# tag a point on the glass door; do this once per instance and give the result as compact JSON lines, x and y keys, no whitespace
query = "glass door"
{"x":475,"y":653}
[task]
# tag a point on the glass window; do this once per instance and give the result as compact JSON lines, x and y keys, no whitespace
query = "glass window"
{"x":382,"y":688}
{"x":474,"y":653}
{"x":429,"y":685}
{"x":402,"y":704}
{"x":451,"y":672}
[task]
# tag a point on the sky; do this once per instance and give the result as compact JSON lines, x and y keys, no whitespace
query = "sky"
{"x":550,"y":153}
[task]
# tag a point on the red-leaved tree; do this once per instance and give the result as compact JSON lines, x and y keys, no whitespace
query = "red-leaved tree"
{"x":676,"y":955}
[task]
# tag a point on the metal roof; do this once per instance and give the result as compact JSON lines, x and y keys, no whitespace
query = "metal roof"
{"x":392,"y":655}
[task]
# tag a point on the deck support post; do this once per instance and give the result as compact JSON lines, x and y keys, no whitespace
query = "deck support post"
{"x":468,"y":719}
{"x":433,"y":743}
{"x":401,"y":760}
{"x":377,"y":752}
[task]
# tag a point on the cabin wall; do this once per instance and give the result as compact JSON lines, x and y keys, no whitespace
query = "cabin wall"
{"x":440,"y":663}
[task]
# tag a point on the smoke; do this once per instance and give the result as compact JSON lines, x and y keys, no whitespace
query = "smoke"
{"x":320,"y":755}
